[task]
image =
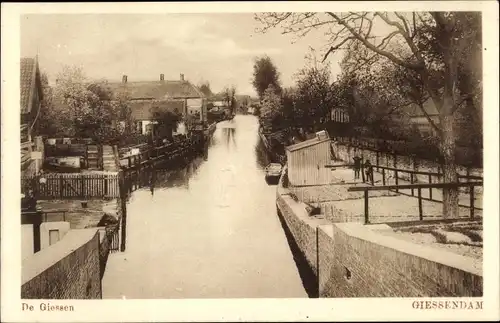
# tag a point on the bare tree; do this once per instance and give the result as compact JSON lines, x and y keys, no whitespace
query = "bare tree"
{"x":401,"y":47}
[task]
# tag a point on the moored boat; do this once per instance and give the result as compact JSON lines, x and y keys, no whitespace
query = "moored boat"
{"x":273,"y":173}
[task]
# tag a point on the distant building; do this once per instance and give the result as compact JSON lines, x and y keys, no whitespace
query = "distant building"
{"x":146,"y":96}
{"x":30,"y":100}
{"x":339,"y":115}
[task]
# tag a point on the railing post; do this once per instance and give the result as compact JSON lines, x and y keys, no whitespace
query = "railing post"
{"x":61,"y":185}
{"x":420,"y":214}
{"x":396,"y":179}
{"x":430,"y":188}
{"x":363,"y":171}
{"x":366,"y":207}
{"x":411,"y":182}
{"x":471,"y":195}
{"x":383,"y":176}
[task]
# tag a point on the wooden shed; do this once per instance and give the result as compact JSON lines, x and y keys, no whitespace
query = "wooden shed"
{"x":306,"y":162}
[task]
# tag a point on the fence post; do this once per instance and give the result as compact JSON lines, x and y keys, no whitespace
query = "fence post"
{"x":377,"y":157}
{"x":411,"y":182}
{"x":82,"y":183}
{"x":420,"y":214}
{"x":61,"y":185}
{"x":430,"y":188}
{"x":383,"y":176}
{"x":366,"y":207}
{"x":105,"y":185}
{"x":396,"y":179}
{"x":471,"y":195}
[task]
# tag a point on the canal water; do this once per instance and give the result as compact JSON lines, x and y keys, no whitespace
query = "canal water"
{"x":209,"y":230}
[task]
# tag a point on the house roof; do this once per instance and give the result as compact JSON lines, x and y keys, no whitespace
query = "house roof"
{"x":306,"y":143}
{"x":143,"y":110}
{"x":158,"y":90}
{"x":29,"y":71}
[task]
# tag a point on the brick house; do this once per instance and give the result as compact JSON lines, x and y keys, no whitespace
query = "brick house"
{"x":179,"y":96}
{"x":30,"y":104}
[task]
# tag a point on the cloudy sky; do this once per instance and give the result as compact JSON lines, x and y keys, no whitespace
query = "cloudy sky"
{"x":219,"y":48}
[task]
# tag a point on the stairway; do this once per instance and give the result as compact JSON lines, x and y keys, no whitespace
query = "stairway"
{"x":93,"y":157}
{"x":108,"y":159}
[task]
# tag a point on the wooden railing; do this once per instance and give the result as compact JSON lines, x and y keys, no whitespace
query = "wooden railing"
{"x":383,"y":170}
{"x":419,"y":188}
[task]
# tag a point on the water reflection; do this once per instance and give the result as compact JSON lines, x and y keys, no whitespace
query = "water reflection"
{"x":209,"y":230}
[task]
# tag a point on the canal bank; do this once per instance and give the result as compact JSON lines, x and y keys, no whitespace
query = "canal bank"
{"x":210,"y":233}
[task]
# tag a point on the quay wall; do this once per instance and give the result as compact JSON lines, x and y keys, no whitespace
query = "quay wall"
{"x":351,"y":260}
{"x":69,"y":269}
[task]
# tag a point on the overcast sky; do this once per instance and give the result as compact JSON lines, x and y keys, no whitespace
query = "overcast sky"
{"x":218,"y":48}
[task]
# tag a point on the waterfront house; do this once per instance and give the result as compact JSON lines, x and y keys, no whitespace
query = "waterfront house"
{"x":30,"y":101}
{"x":146,"y":96}
{"x":306,"y":161}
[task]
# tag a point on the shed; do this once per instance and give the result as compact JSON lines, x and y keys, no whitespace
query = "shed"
{"x":306,"y":162}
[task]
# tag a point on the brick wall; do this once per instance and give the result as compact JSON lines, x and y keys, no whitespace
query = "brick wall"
{"x":355,"y":265}
{"x":76,"y":275}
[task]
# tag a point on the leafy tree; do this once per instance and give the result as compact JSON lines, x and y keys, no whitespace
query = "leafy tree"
{"x":85,"y":109}
{"x":229,"y":95}
{"x":313,"y":93}
{"x":270,"y":111}
{"x":455,"y":37}
{"x":265,"y":74}
{"x":167,"y":122}
{"x":205,"y":89}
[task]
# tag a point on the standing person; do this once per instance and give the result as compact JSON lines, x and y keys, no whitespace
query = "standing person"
{"x":357,"y":166}
{"x":368,"y":171}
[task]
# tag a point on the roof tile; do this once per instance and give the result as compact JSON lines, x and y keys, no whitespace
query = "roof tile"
{"x":27,"y":66}
{"x":158,"y":90}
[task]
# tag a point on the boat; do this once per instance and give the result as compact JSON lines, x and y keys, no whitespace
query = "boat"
{"x":273,"y":173}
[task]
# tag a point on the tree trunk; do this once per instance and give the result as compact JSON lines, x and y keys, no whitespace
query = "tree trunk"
{"x":450,"y":195}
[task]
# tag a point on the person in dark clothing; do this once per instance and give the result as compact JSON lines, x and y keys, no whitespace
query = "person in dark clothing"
{"x":357,"y":166}
{"x":368,"y":171}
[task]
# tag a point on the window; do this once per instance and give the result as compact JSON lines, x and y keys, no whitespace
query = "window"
{"x":53,"y":236}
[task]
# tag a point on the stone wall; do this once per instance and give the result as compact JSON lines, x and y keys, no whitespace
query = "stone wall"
{"x":68,"y":269}
{"x":355,"y":262}
{"x":362,"y":263}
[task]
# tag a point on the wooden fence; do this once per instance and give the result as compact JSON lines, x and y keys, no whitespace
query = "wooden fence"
{"x":417,"y":187}
{"x":72,"y":186}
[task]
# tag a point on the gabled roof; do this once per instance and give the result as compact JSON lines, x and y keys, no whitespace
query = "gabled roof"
{"x":306,"y":143}
{"x":143,"y":110}
{"x":158,"y":90}
{"x":28,"y":77}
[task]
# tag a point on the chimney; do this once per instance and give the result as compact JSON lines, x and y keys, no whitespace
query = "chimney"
{"x":162,"y":77}
{"x":182,"y":77}
{"x":124,"y":79}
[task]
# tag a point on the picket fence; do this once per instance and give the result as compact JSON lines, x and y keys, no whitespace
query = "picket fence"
{"x":72,"y":186}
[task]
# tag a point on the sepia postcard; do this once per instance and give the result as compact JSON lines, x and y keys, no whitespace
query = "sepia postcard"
{"x":250,"y":161}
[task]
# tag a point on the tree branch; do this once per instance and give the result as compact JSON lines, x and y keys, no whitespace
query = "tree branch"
{"x":372,"y":47}
{"x":431,"y":122}
{"x":334,"y":48}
